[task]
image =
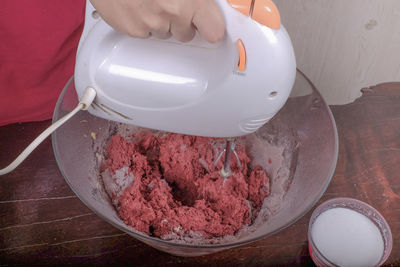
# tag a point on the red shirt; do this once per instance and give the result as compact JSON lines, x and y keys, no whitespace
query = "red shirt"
{"x":38,"y":42}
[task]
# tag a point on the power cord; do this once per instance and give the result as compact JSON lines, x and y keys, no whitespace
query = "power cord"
{"x":84,"y":104}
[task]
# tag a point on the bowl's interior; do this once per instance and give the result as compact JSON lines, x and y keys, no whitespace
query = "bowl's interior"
{"x":305,"y":127}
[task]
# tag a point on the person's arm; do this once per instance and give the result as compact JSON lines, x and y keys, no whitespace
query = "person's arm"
{"x":161,"y":18}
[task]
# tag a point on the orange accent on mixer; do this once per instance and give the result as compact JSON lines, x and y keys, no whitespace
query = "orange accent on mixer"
{"x":266,"y":13}
{"x":243,"y":6}
{"x":242,"y":56}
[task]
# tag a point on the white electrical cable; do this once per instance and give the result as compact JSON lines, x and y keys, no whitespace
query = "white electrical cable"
{"x":84,"y":104}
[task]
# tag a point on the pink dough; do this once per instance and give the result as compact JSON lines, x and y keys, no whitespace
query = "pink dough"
{"x":176,"y":188}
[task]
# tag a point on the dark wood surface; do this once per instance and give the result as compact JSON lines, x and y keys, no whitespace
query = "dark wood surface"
{"x":43,"y":222}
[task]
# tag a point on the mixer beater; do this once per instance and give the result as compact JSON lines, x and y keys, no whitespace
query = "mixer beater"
{"x":225,"y":171}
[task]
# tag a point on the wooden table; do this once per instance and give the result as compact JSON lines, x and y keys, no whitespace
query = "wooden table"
{"x":43,"y":222}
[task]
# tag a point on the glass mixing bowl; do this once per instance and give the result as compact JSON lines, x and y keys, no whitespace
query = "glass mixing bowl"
{"x":305,"y":125}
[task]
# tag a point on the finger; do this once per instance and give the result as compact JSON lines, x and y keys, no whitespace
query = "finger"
{"x":121,"y":19}
{"x":136,"y":31}
{"x":161,"y":35}
{"x":209,"y":21}
{"x":181,"y":26}
{"x":161,"y":29}
{"x":133,"y":28}
{"x":158,"y":25}
{"x":183,"y":31}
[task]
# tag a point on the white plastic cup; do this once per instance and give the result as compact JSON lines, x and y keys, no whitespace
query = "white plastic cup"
{"x":353,"y":205}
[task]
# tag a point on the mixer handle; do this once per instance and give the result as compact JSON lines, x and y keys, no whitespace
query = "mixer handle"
{"x":264,"y":12}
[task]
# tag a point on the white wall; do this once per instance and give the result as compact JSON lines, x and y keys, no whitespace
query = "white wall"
{"x":344,"y":45}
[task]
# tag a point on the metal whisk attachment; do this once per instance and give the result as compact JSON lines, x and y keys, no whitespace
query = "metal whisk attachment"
{"x":225,"y":172}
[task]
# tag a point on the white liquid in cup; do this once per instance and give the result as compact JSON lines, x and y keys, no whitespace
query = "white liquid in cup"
{"x":347,"y":238}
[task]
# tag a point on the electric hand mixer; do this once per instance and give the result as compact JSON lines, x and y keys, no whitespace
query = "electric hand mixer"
{"x":227,"y":89}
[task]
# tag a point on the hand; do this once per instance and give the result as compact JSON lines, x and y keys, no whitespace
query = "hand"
{"x":163,"y":18}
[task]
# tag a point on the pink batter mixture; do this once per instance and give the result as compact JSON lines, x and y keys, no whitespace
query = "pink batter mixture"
{"x":174,"y":187}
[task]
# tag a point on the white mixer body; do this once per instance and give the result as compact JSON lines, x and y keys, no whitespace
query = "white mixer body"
{"x":192,"y":88}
